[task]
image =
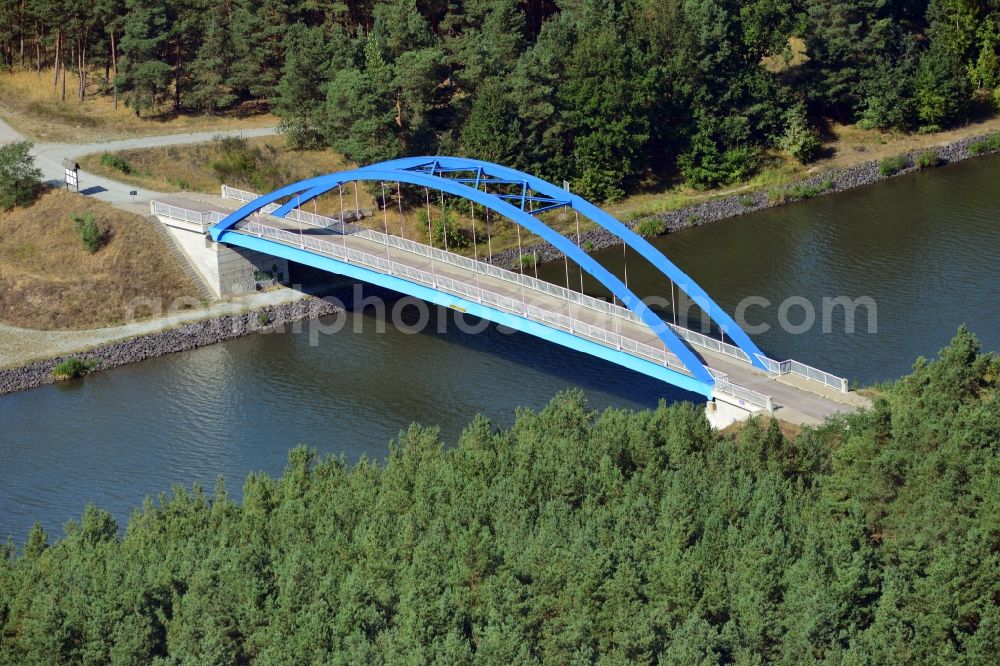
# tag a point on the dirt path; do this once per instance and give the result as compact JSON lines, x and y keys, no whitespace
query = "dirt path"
{"x":19,"y":346}
{"x":49,"y":158}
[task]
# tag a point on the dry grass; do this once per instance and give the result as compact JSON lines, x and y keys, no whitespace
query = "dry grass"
{"x":32,"y":106}
{"x":190,"y":168}
{"x":791,"y":431}
{"x":779,"y":169}
{"x":794,"y":55}
{"x":48,"y":281}
{"x":847,"y":146}
{"x":852,"y":145}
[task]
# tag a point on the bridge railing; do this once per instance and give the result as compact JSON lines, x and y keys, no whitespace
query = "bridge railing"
{"x":483,"y":268}
{"x":806,"y":371}
{"x":710,"y":343}
{"x":723,"y":385}
{"x":471,"y":292}
{"x":296,"y":214}
{"x":199,"y":218}
{"x":821,"y":376}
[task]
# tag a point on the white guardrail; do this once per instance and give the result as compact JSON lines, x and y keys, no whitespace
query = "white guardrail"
{"x":483,"y":268}
{"x":202,"y":219}
{"x":484,"y":296}
{"x":505,"y":303}
{"x":803,"y":370}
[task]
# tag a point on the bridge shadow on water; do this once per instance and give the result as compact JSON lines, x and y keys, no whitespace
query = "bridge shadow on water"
{"x":575,"y":369}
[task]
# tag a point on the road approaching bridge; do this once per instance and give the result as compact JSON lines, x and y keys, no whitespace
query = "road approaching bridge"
{"x":734,"y":376}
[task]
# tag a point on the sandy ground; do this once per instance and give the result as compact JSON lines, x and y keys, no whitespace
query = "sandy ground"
{"x":49,"y":158}
{"x":854,"y":146}
{"x":21,"y":345}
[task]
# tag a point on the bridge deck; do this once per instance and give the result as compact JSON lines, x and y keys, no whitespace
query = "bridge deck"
{"x":794,"y":398}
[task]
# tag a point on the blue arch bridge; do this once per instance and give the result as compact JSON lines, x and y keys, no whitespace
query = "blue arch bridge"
{"x":727,"y":368}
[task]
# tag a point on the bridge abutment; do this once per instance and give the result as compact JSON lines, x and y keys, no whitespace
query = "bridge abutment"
{"x":722,"y":412}
{"x":227,"y":271}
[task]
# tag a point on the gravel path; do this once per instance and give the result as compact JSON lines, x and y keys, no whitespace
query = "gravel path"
{"x":19,"y":346}
{"x":180,"y":337}
{"x":49,"y":157}
{"x":23,"y":345}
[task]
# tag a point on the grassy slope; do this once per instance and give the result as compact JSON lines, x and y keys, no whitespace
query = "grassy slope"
{"x":190,"y":168}
{"x":848,"y":145}
{"x":48,"y":281}
{"x":32,"y":106}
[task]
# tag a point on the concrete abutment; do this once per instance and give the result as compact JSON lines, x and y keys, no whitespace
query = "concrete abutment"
{"x":227,"y":271}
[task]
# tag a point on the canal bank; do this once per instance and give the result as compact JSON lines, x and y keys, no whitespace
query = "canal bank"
{"x":25,"y":369}
{"x":832,"y":181}
{"x":924,"y":246}
{"x":266,"y":313}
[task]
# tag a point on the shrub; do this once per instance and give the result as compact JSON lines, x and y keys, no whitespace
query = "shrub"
{"x":704,"y":165}
{"x":777,"y":196}
{"x":300,"y":134}
{"x":600,"y":184}
{"x":987,"y":145}
{"x":238,"y":162}
{"x":117,"y":162}
{"x":800,"y":140}
{"x":891,"y":165}
{"x":445,"y":232}
{"x":88,"y":231}
{"x":20,"y":180}
{"x":263,"y":318}
{"x":746,"y":202}
{"x":799,"y":191}
{"x":529,"y":260}
{"x":588,"y":246}
{"x":650,"y":226}
{"x":928,"y":159}
{"x":269,"y":275}
{"x":72,"y":367}
{"x":996,"y":99}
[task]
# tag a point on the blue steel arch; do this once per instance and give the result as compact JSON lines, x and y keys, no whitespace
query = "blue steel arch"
{"x":315,"y":186}
{"x":560,"y":197}
{"x":606,"y":221}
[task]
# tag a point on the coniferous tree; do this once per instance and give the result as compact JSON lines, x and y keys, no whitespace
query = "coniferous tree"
{"x":301,"y":92}
{"x":605,"y":107}
{"x":144,"y":74}
{"x":382,"y":107}
{"x":211,"y":88}
{"x":942,"y":89}
{"x":258,"y":30}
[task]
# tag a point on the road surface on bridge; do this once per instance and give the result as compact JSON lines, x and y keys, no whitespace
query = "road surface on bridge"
{"x":795,"y":398}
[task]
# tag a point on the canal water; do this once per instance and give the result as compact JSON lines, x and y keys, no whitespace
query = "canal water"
{"x":925,"y":249}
